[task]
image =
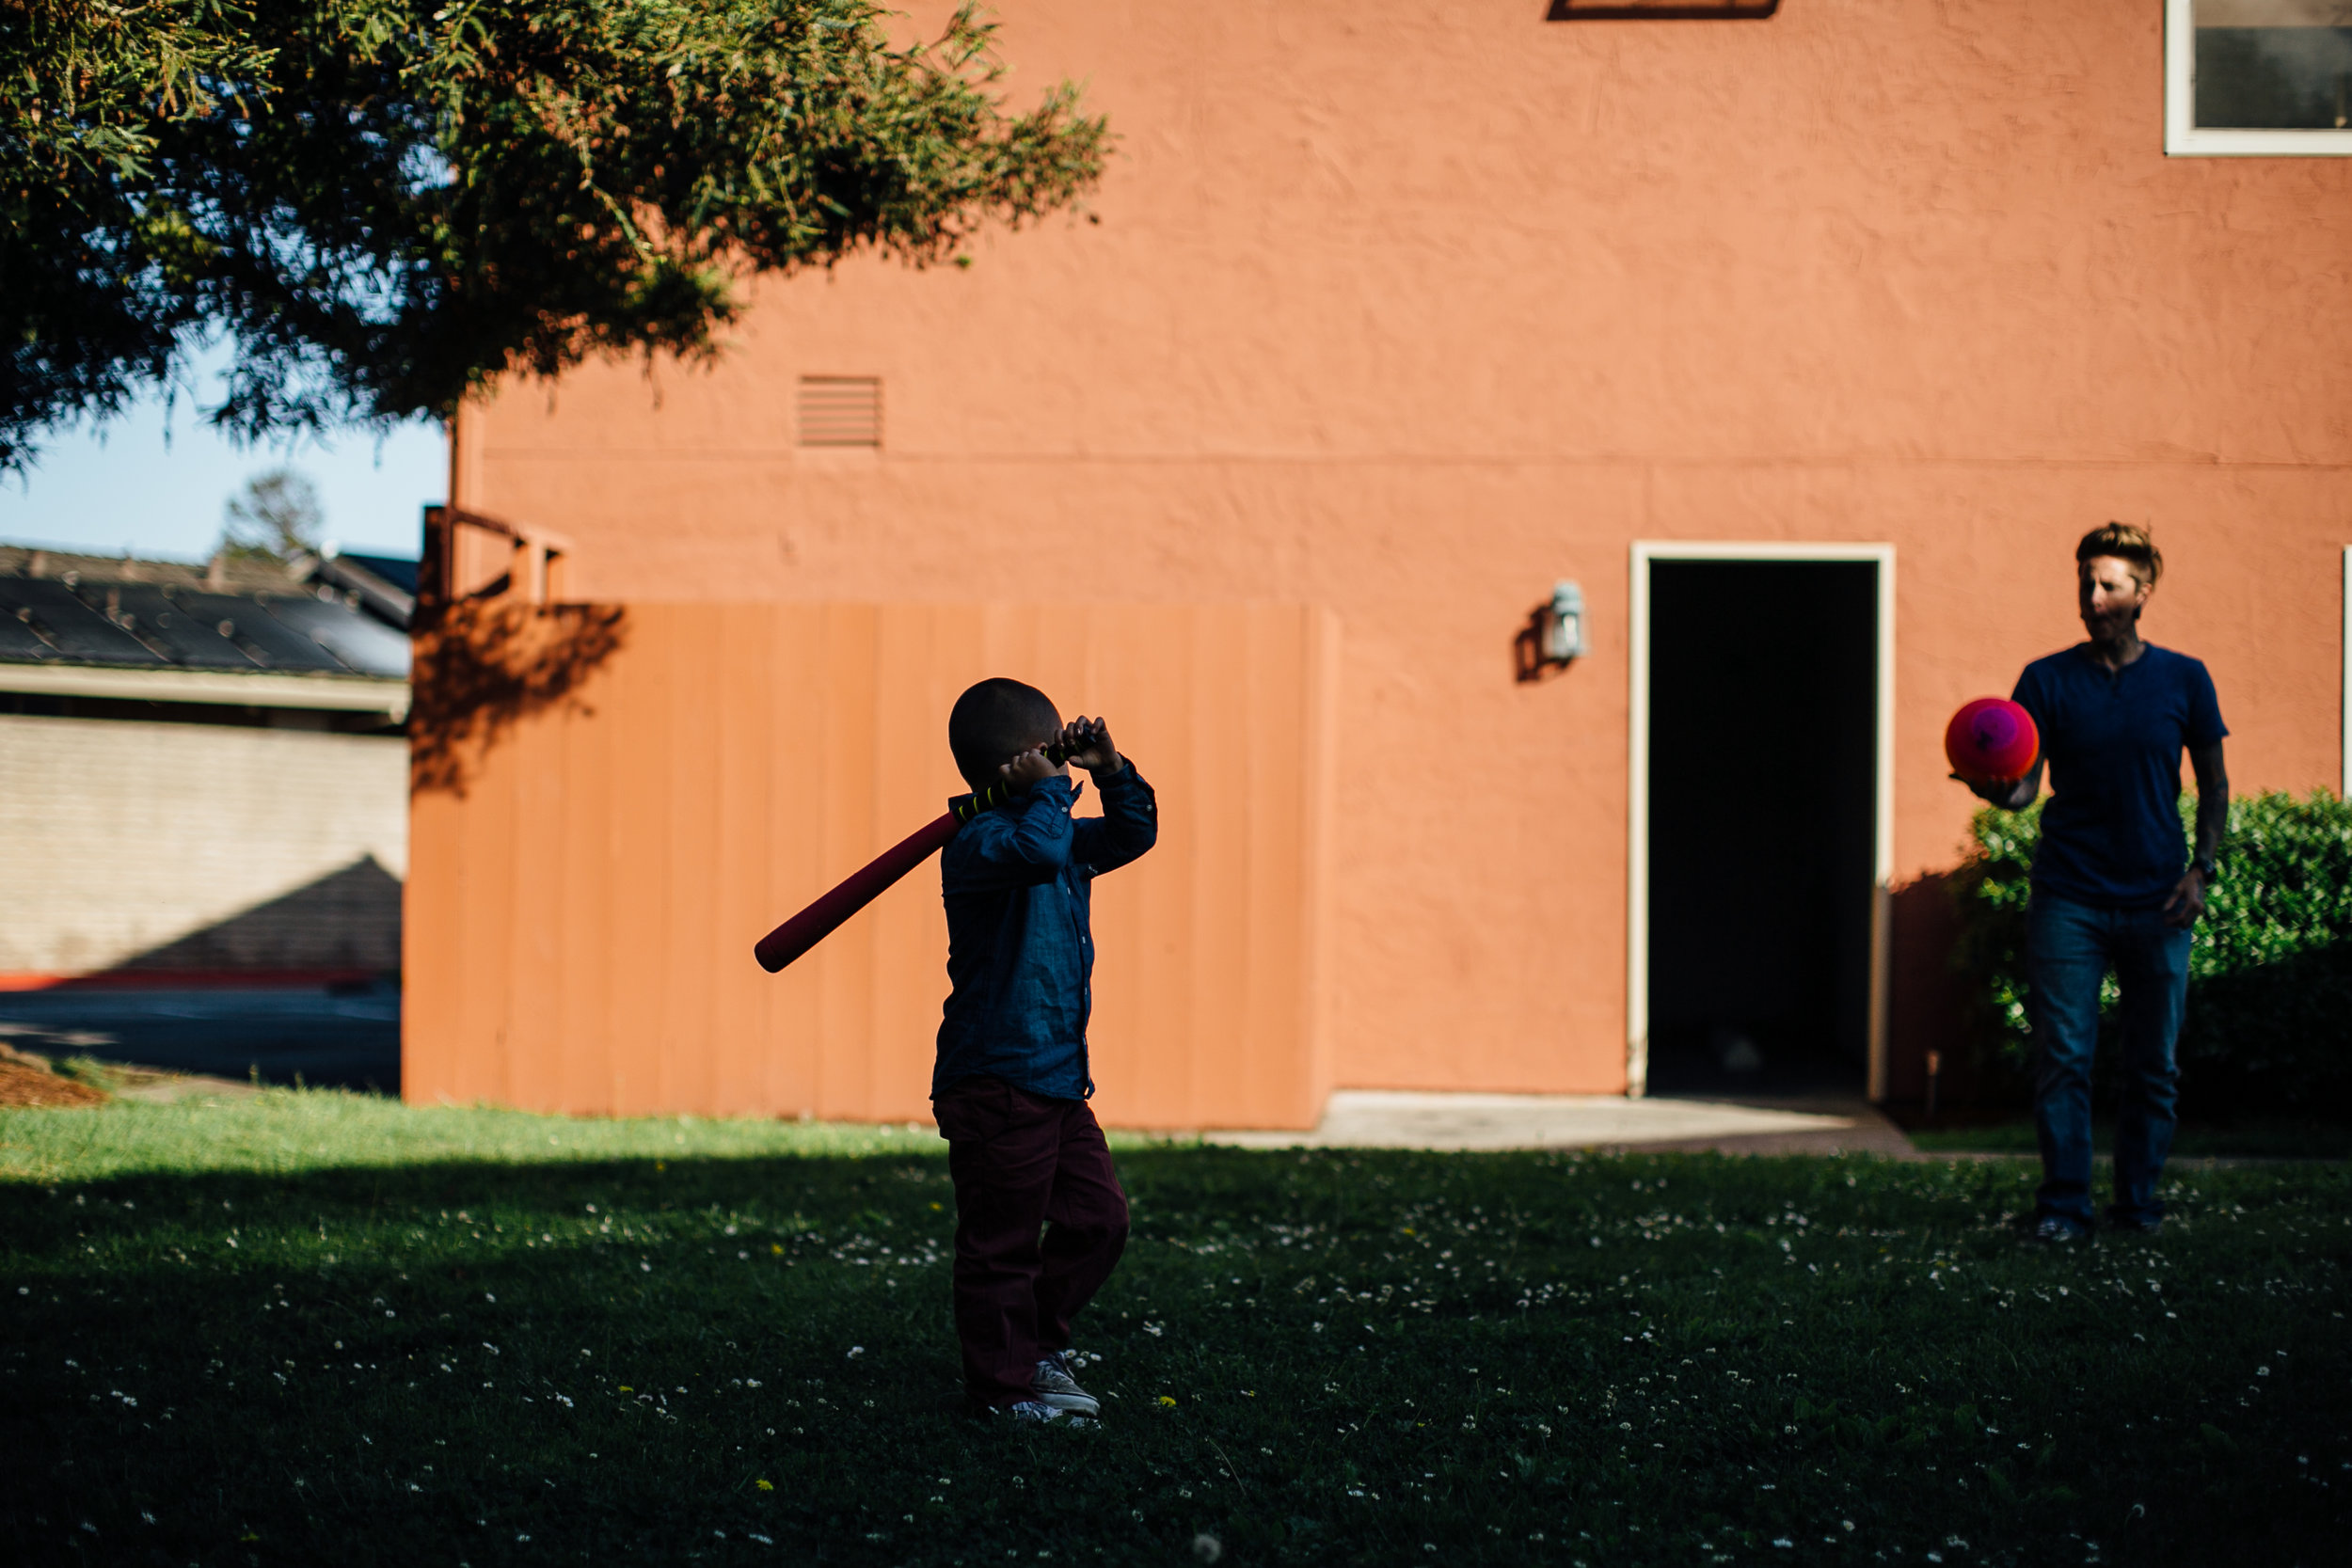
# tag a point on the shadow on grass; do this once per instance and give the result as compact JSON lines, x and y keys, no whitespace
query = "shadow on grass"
{"x":466,"y":1359}
{"x":2245,"y":1140}
{"x":1329,"y":1357}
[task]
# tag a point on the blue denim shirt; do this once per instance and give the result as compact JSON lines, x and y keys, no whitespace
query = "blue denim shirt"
{"x":1017,"y":883}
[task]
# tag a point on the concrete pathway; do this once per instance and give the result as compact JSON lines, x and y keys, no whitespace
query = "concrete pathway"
{"x":1388,"y":1118}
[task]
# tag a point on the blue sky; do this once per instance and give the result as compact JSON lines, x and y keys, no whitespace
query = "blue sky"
{"x":155,"y":481}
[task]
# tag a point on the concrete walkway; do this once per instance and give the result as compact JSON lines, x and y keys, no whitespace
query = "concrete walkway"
{"x":1388,"y":1118}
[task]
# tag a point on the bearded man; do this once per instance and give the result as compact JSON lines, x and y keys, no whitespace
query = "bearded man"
{"x":2114,"y":887}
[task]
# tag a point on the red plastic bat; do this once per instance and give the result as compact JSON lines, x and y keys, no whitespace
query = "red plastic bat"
{"x":818,"y":921}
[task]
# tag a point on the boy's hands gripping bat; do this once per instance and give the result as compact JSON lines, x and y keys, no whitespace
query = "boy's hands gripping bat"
{"x":1087,"y":741}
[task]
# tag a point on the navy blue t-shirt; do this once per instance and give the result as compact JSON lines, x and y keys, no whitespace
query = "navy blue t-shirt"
{"x":2111,"y":833}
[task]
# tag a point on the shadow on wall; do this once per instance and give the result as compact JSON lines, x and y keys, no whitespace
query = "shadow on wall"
{"x":348,"y":919}
{"x":303,"y":989}
{"x":1927,"y":1007}
{"x":484,"y":664}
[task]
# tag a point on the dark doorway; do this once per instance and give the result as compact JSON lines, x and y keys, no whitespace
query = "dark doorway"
{"x":1763,"y":709}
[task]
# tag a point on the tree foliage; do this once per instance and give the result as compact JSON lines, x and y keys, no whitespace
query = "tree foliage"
{"x":275,"y":517}
{"x":389,"y":202}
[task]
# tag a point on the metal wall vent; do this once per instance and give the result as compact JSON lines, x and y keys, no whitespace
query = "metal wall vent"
{"x":841,"y":411}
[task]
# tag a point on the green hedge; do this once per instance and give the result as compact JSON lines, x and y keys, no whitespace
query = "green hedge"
{"x":2269,"y":1023}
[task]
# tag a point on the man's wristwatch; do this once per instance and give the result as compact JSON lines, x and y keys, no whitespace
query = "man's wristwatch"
{"x":2207,"y":866}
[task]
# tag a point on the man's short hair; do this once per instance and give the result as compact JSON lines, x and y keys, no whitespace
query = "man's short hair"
{"x":995,"y":722}
{"x":2125,"y":543}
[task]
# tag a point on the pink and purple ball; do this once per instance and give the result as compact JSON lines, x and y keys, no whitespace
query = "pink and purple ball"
{"x":1991,"y":740}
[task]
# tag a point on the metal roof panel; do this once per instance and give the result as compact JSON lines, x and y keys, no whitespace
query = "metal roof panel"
{"x":253,"y":627}
{"x":192,"y":641}
{"x":366,"y":644}
{"x":21,"y":644}
{"x":78,"y":631}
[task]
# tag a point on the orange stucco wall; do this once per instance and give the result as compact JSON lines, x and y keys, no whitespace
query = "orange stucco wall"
{"x":1406,"y":311}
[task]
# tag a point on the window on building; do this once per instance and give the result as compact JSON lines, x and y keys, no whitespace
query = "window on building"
{"x":2255,"y":78}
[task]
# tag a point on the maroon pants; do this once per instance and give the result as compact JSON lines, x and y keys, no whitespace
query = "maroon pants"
{"x":1022,"y":1164}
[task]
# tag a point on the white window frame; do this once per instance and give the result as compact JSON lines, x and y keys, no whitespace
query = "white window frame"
{"x":1637,"y":835}
{"x":2182,"y":139}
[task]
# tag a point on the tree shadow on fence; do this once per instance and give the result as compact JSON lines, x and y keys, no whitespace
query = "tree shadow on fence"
{"x":483,"y":665}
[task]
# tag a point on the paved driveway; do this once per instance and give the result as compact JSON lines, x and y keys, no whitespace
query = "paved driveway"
{"x":342,"y":1036}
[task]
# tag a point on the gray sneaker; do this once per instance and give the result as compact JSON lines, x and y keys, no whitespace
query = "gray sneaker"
{"x":2054,"y":1230}
{"x":1031,"y":1410}
{"x":1054,"y":1386}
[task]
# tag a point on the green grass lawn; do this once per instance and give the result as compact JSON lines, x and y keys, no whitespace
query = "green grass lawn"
{"x":314,"y":1328}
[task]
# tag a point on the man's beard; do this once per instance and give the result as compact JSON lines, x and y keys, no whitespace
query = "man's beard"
{"x":2113,"y":622}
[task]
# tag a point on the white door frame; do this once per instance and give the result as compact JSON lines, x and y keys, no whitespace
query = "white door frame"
{"x":1637,"y":794}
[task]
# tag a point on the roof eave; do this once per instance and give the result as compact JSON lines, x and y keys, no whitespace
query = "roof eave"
{"x":317,"y":692}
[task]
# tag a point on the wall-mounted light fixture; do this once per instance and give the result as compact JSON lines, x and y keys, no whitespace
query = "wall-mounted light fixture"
{"x":1555,"y":635}
{"x":1563,"y":627}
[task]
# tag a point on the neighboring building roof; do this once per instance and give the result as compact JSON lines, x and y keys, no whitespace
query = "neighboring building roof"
{"x":337,"y":616}
{"x":384,"y":585}
{"x":397,"y":570}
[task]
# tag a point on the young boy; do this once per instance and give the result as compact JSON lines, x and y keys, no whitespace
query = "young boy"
{"x":1012,"y":1086}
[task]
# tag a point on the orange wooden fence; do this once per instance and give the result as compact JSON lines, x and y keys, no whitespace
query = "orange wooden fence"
{"x":581,"y":906}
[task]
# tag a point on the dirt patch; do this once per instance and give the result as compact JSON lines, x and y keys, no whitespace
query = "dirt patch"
{"x":26,"y":1080}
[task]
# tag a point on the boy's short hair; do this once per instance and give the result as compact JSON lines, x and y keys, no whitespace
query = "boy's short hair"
{"x":994,"y":721}
{"x":2125,"y":543}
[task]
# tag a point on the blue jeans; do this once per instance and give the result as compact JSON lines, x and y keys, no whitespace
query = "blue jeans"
{"x":2070,"y":947}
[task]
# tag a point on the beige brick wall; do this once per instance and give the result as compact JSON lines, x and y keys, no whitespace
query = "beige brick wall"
{"x":198,"y":846}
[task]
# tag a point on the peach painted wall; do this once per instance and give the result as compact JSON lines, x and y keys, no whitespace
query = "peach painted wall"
{"x":582,"y":913}
{"x":1408,"y":310}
